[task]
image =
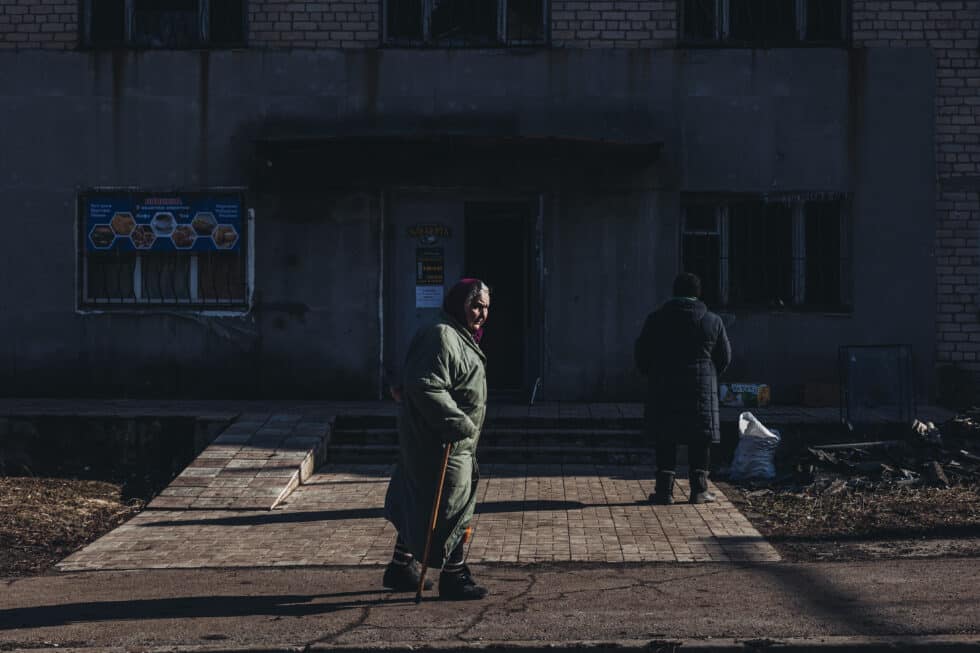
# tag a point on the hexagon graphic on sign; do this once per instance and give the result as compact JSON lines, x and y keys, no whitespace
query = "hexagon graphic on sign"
{"x":101,"y":236}
{"x":143,"y":236}
{"x":225,"y":236}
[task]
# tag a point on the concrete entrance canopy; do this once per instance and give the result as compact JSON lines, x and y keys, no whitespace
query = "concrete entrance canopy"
{"x":373,"y":159}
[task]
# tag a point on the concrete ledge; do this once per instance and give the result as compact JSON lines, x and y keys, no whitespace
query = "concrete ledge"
{"x":254,"y":464}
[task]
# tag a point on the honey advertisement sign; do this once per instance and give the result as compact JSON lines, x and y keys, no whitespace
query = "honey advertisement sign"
{"x":163,"y":223}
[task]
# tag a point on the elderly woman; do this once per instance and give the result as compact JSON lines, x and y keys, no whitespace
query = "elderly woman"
{"x":443,"y":403}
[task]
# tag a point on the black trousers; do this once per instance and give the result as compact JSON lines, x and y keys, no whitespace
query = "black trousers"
{"x":697,"y":456}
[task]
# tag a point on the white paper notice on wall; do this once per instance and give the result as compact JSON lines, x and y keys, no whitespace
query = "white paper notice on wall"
{"x":428,"y":296}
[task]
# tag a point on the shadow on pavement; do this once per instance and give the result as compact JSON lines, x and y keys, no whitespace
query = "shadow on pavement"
{"x":287,"y":517}
{"x":962,"y":531}
{"x":288,"y":605}
{"x":822,"y":597}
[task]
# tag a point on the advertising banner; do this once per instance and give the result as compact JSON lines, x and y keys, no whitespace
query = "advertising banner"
{"x":163,"y":222}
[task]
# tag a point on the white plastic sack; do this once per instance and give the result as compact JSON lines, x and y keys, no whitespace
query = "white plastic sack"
{"x":755,"y":451}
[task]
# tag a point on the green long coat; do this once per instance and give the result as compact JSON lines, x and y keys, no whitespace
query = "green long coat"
{"x":444,"y":396}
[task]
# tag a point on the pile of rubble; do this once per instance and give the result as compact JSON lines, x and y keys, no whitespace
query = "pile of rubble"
{"x":927,"y":457}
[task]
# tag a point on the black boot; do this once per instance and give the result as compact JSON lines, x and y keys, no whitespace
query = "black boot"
{"x":699,"y":487}
{"x":459,"y":586}
{"x":663,"y":492}
{"x":404,"y":578}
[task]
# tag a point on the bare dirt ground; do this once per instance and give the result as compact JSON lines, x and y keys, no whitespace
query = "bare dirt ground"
{"x":46,"y":519}
{"x":917,"y":496}
{"x":895,"y":522}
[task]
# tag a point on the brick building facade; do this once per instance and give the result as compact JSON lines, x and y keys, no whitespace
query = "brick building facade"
{"x":949,"y":28}
{"x":38,"y":24}
{"x":952,"y":31}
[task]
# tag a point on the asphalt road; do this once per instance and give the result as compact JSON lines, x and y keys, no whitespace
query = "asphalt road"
{"x":297,"y":607}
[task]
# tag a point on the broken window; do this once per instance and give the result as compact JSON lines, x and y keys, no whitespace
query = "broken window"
{"x":164,"y":24}
{"x":464,"y":23}
{"x":764,"y":23}
{"x":767,"y":252}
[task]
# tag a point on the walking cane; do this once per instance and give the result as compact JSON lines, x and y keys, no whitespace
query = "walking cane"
{"x":432,"y":523}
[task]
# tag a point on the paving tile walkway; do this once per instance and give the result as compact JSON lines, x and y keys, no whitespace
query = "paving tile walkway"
{"x":251,"y":498}
{"x":527,"y":513}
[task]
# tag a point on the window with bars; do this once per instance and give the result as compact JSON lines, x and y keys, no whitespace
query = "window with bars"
{"x":753,"y":251}
{"x":464,"y":23}
{"x":764,"y":23}
{"x":163,"y":250}
{"x":163,"y":24}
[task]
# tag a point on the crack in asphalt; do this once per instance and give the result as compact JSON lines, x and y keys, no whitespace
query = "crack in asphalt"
{"x":357,"y":623}
{"x":654,"y":585}
{"x":522,"y":597}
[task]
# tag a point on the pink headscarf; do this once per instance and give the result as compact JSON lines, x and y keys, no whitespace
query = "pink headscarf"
{"x":455,"y":303}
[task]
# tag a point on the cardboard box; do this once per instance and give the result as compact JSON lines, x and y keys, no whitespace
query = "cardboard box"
{"x":821,"y":395}
{"x":744,"y":395}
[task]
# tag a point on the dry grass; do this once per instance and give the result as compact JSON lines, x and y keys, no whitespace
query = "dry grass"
{"x":805,"y":526}
{"x":46,"y":519}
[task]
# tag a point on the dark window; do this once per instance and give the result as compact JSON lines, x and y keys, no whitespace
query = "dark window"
{"x":464,"y":23}
{"x":227,"y":23}
{"x":760,"y":253}
{"x":110,"y":276}
{"x":824,"y":21}
{"x":700,"y":20}
{"x":108,"y":23}
{"x":823,"y":253}
{"x":766,"y":252}
{"x":164,"y":24}
{"x":763,"y":23}
{"x":702,"y":248}
{"x":166,"y":278}
{"x":525,"y":21}
{"x":221,"y":277}
{"x":403,"y":20}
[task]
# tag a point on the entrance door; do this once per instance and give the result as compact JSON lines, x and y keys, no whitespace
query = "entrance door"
{"x":424,"y":257}
{"x":496,"y":250}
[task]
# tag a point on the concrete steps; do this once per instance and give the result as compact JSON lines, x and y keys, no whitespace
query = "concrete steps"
{"x":374,"y":440}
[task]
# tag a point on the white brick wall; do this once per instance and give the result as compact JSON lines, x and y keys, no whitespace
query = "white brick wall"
{"x":330,"y":24}
{"x":952,"y":29}
{"x":38,"y":24}
{"x":614,"y":23}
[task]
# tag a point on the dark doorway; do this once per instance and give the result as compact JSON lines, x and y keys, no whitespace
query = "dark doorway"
{"x":497,"y":251}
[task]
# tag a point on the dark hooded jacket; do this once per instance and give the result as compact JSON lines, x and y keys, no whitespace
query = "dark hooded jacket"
{"x":682,"y":350}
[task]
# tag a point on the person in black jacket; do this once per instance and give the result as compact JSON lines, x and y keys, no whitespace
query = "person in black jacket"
{"x":682,"y":350}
